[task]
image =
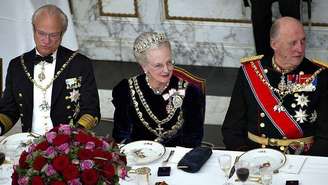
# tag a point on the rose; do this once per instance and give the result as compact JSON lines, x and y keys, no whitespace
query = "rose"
{"x":14,"y":178}
{"x":57,"y":183}
{"x":84,"y":154}
{"x":86,"y":164}
{"x":42,"y":146}
{"x":50,"y":136}
{"x":108,"y":171}
{"x":82,"y":137}
{"x":37,"y":180}
{"x":50,"y":170}
{"x":22,"y":160}
{"x":60,"y":139}
{"x":60,"y":162}
{"x":71,"y":172}
{"x":65,"y":129}
{"x":39,"y":162}
{"x":89,"y":177}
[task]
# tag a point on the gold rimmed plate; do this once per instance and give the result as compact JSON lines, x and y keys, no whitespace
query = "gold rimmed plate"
{"x":143,"y":152}
{"x":264,"y":157}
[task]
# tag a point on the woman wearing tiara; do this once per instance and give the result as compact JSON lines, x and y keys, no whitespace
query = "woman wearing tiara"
{"x":156,"y":105}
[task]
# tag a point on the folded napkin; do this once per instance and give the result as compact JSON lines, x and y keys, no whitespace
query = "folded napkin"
{"x":293,"y":164}
{"x":194,"y":159}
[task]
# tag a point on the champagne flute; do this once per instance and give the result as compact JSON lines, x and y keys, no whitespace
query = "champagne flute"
{"x":225,"y":165}
{"x":242,"y":170}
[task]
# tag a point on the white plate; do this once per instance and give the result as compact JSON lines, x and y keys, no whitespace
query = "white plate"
{"x":12,"y":145}
{"x":261,"y":156}
{"x":143,"y":152}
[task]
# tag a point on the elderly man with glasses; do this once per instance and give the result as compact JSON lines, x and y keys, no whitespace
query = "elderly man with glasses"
{"x":49,"y":85}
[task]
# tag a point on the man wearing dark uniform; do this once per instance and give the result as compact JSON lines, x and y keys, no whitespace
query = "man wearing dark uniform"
{"x":280,"y":101}
{"x":49,"y":85}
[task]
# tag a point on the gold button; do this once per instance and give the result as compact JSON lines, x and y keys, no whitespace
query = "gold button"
{"x":265,"y":70}
{"x":262,"y":125}
{"x":263,"y":146}
{"x":262,"y":115}
{"x":21,"y":114}
{"x":296,"y":95}
{"x":263,"y":135}
{"x":20,"y":94}
{"x":21,"y":105}
{"x":69,"y":117}
{"x":66,"y":97}
{"x":68,"y":107}
{"x":284,"y":137}
{"x":293,"y":105}
{"x":301,"y":73}
{"x":282,"y":148}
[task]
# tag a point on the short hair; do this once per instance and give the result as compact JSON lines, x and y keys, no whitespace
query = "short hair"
{"x":51,"y":10}
{"x":274,"y":30}
{"x":146,"y":41}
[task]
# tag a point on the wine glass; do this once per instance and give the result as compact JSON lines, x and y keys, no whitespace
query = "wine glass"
{"x":225,"y":164}
{"x":242,"y":170}
{"x":266,"y":175}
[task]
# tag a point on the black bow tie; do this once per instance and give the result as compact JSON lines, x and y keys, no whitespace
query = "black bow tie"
{"x":47,"y":58}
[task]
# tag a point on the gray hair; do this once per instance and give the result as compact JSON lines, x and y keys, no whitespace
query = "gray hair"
{"x":51,"y":10}
{"x":146,"y":41}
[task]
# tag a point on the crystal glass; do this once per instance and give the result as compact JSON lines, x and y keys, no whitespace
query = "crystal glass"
{"x":225,"y":165}
{"x":242,"y":170}
{"x":266,"y":175}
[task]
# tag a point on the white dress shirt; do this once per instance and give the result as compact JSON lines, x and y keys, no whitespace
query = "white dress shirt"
{"x":41,"y":120}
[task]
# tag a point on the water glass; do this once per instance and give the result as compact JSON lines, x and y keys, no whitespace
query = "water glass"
{"x":225,"y":165}
{"x":242,"y":170}
{"x":266,"y":175}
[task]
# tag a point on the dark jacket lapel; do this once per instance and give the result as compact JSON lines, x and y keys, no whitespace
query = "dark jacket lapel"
{"x":62,"y":56}
{"x":29,"y":63}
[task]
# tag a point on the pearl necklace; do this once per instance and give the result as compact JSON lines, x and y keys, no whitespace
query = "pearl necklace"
{"x":156,"y":91}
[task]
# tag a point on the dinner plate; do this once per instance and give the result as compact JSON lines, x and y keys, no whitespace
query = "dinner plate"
{"x":143,"y":152}
{"x":264,"y":157}
{"x":14,"y":144}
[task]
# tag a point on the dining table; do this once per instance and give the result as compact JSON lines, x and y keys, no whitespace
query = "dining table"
{"x":307,"y":170}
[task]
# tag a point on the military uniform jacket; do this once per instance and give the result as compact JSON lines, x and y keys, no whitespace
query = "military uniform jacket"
{"x":129,"y":127}
{"x":74,"y":92}
{"x":308,"y":108}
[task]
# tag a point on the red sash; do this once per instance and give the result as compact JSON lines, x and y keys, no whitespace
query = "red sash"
{"x":265,"y":97}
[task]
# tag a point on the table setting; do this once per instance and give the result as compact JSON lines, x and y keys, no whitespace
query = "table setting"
{"x":151,"y":163}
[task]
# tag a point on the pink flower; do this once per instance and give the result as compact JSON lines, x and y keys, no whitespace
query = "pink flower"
{"x":122,"y":172}
{"x":51,"y":136}
{"x":65,"y":129}
{"x":23,"y":181}
{"x":90,"y":145}
{"x":74,"y":182}
{"x":105,"y":145}
{"x":50,"y":170}
{"x":64,"y":148}
{"x":31,"y":148}
{"x":86,"y":164}
{"x":50,"y":152}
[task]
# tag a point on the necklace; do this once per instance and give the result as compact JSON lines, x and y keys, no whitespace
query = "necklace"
{"x":44,"y":106}
{"x":41,"y":75}
{"x":156,"y":91}
{"x":282,"y":93}
{"x":159,"y":130}
{"x":283,"y":85}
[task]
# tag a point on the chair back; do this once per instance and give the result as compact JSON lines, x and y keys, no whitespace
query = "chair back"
{"x":190,"y":78}
{"x":1,"y":73}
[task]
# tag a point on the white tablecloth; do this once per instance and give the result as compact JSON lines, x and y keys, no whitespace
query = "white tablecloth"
{"x":313,"y":172}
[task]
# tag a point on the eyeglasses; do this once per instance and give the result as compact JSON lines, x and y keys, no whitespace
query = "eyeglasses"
{"x":160,"y":67}
{"x":44,"y":35}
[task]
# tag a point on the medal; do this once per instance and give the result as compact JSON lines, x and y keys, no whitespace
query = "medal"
{"x":177,"y":101}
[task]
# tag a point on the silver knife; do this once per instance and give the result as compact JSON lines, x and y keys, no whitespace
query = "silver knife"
{"x":233,"y":169}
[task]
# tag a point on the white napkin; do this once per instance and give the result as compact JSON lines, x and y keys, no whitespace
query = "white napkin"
{"x":293,"y":164}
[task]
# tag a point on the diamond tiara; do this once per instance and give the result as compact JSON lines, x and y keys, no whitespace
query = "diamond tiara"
{"x":150,"y":42}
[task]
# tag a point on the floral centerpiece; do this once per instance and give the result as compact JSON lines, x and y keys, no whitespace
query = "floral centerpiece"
{"x":70,"y":156}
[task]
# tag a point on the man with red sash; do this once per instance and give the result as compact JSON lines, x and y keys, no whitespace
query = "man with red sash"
{"x":281,"y":101}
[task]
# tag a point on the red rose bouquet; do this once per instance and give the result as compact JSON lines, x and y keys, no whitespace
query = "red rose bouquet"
{"x":70,"y":156}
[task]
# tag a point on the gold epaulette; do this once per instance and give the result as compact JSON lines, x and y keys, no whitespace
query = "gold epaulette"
{"x":88,"y":121}
{"x":320,"y":63}
{"x":251,"y":58}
